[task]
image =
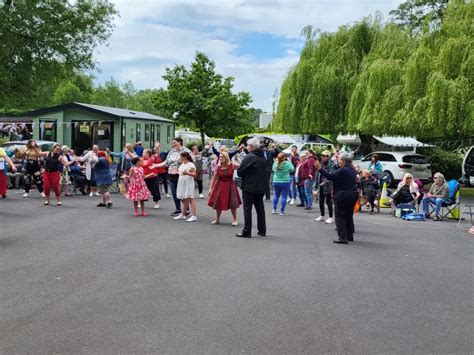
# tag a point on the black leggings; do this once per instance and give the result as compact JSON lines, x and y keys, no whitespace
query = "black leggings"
{"x":33,"y":176}
{"x":152,"y":184}
{"x":164,"y":180}
{"x":328,"y":198}
{"x":370,"y":196}
{"x":199,"y":183}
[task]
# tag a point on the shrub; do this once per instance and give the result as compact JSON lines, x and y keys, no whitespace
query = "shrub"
{"x":446,"y":162}
{"x":191,"y":144}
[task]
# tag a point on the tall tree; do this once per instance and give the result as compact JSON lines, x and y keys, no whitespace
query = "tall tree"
{"x":41,"y":41}
{"x":373,"y":79}
{"x":203,"y":99}
{"x":418,"y":14}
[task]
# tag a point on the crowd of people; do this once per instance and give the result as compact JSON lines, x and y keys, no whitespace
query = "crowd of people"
{"x":337,"y":183}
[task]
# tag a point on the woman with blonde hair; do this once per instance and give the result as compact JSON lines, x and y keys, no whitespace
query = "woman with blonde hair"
{"x":223,"y":194}
{"x":32,"y":171}
{"x":126,"y":156}
{"x":282,"y":168}
{"x":407,"y":191}
{"x":438,"y":194}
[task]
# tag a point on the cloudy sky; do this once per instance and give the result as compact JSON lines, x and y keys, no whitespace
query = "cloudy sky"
{"x":255,"y":41}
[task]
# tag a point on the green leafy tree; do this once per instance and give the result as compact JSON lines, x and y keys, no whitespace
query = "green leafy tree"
{"x":203,"y":99}
{"x":43,"y":41}
{"x":79,"y":89}
{"x":109,"y":94}
{"x":418,"y":14}
{"x":373,"y":79}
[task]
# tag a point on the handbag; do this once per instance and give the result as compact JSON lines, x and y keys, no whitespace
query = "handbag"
{"x":122,"y":189}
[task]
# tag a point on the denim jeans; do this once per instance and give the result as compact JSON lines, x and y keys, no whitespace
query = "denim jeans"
{"x":437,"y":202}
{"x":308,"y":190}
{"x":281,"y":189}
{"x":173,"y":180}
{"x":302,"y":195}
{"x":293,"y":193}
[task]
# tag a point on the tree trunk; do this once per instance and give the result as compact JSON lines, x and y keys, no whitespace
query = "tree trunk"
{"x":201,"y":128}
{"x":367,"y":142}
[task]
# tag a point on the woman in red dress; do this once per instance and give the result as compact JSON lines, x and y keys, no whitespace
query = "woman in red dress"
{"x":223,"y":193}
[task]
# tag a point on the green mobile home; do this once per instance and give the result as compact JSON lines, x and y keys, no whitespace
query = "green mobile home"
{"x":79,"y":126}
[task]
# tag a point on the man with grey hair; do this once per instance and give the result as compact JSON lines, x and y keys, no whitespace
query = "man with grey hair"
{"x":253,"y":172}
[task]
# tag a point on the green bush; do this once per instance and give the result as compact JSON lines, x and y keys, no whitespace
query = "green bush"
{"x":191,"y":144}
{"x":446,"y":162}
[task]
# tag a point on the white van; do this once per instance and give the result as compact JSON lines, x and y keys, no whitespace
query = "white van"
{"x":468,"y":167}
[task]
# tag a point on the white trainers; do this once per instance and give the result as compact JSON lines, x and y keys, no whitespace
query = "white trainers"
{"x":43,"y":195}
{"x":156,"y":206}
{"x":274,"y":212}
{"x":329,"y":220}
{"x":180,"y":216}
{"x":192,"y":219}
{"x":167,"y":196}
{"x":96,"y":193}
{"x":91,"y":194}
{"x":201,"y":196}
{"x":26,"y":194}
{"x":292,"y":201}
{"x":319,"y":219}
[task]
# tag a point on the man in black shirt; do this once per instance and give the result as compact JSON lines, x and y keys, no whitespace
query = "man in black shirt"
{"x":253,"y":172}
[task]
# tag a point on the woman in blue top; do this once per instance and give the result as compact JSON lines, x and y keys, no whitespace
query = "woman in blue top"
{"x":345,"y":196}
{"x":375,"y":165}
{"x":282,"y":169}
{"x":103,"y":179}
{"x":125,"y":156}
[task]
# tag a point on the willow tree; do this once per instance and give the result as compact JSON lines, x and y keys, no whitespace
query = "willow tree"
{"x":377,"y":97}
{"x":376,"y":79}
{"x":316,"y":92}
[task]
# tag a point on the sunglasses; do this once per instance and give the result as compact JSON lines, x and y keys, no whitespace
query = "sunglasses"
{"x":325,"y":156}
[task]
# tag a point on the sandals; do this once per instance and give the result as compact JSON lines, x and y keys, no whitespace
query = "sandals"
{"x":46,"y":203}
{"x":215,"y":222}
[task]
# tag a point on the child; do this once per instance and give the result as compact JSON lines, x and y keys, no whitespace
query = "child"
{"x":185,"y":188}
{"x":137,"y":190}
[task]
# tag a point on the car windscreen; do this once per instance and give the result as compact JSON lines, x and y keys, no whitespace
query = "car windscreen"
{"x":414,"y":159}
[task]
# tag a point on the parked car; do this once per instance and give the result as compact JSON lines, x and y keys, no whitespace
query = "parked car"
{"x":44,"y":145}
{"x":302,"y":146}
{"x":397,"y":164}
{"x":468,"y":167}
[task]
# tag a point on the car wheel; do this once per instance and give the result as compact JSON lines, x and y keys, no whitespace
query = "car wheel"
{"x":388,"y":178}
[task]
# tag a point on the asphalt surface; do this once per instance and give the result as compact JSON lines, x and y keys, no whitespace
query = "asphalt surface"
{"x":81,"y":279}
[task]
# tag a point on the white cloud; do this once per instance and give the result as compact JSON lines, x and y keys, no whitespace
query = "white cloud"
{"x":152,"y":35}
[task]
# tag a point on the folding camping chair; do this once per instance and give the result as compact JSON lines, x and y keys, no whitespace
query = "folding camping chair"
{"x":450,"y":207}
{"x":453,"y":203}
{"x":115,"y":180}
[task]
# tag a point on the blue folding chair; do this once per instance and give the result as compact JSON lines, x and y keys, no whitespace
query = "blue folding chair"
{"x":454,"y":200}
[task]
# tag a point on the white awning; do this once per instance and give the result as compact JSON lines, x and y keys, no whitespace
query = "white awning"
{"x":348,"y":139}
{"x":401,"y":141}
{"x":387,"y":140}
{"x":279,"y":138}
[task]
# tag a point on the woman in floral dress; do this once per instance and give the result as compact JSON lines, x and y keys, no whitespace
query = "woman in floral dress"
{"x":137,"y":189}
{"x":223,"y":193}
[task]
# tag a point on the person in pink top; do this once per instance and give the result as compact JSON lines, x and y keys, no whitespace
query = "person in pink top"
{"x":307,"y":174}
{"x":137,"y":189}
